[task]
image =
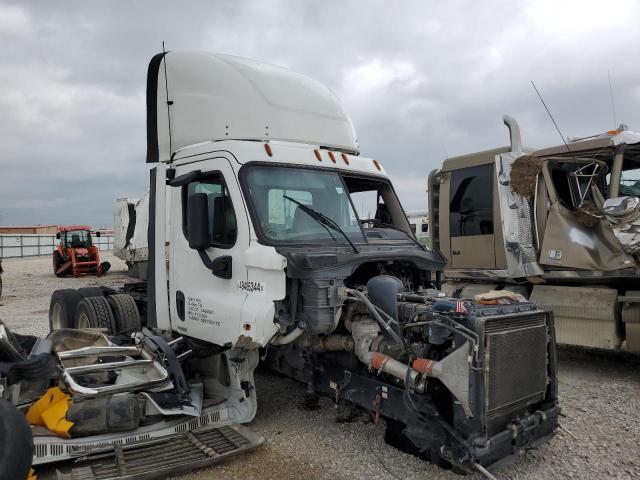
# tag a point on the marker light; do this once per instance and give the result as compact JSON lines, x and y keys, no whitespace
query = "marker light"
{"x":267,"y":148}
{"x":345,"y":159}
{"x":332,"y":157}
{"x":317,"y":152}
{"x":378,"y":165}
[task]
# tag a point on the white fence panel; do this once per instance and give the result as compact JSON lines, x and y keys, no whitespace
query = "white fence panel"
{"x":33,"y":245}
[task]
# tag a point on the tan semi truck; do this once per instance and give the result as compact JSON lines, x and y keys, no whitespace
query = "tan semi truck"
{"x":560,"y":225}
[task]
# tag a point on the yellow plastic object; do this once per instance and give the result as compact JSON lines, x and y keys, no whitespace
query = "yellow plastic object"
{"x":32,"y":475}
{"x":50,"y":412}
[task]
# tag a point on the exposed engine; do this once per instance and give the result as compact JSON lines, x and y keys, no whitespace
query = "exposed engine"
{"x":459,"y":383}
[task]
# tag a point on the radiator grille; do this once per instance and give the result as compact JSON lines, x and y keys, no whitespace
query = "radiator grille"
{"x":516,"y":356}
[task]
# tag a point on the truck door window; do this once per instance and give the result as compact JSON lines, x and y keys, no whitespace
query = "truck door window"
{"x":222,"y":218}
{"x":471,"y":207}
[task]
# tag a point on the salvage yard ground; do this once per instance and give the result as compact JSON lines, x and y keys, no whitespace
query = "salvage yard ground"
{"x":600,"y":396}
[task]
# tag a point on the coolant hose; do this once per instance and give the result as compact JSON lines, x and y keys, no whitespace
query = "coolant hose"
{"x":288,"y":338}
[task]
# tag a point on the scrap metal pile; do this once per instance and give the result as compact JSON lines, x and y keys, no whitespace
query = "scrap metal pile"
{"x":106,"y":406}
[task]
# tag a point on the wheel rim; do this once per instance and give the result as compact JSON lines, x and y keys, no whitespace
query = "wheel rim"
{"x":56,"y":316}
{"x":83,"y":321}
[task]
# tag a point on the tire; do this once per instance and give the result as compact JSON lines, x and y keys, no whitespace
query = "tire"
{"x":91,"y":292}
{"x":95,"y":312}
{"x":126,"y":313}
{"x":62,"y":308}
{"x":58,"y":261}
{"x":17,"y":444}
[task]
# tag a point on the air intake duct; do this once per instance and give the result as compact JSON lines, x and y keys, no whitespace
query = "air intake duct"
{"x":383,"y":292}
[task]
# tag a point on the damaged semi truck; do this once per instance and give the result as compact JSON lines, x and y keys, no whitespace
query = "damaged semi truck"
{"x":559,"y":225}
{"x":255,"y":245}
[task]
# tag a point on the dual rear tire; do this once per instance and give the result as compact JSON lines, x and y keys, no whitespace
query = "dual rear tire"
{"x":89,"y":308}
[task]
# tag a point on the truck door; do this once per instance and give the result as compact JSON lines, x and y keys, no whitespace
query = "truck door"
{"x":471,"y":222}
{"x":205,"y":303}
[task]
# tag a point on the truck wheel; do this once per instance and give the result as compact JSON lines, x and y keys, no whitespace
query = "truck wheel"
{"x":91,"y":292}
{"x":17,"y":444}
{"x":125,"y":312}
{"x":58,"y":261}
{"x":62,"y":308}
{"x":95,"y":312}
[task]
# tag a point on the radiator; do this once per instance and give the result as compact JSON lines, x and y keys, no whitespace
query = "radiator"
{"x":515,"y":366}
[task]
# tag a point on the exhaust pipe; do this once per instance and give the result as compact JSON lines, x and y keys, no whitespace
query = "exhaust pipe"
{"x":514,"y":133}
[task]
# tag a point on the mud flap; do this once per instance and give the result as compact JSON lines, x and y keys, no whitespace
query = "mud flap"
{"x":164,"y":457}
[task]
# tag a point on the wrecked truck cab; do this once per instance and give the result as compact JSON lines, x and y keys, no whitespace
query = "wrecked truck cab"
{"x":269,"y":231}
{"x":558,"y":225}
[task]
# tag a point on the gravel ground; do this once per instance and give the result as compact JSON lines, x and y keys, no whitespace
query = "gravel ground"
{"x":600,"y":396}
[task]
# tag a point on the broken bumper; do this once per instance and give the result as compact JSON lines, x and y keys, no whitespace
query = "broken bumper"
{"x":506,"y":446}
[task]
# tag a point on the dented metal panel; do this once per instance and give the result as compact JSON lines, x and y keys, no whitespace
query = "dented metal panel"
{"x":585,"y":316}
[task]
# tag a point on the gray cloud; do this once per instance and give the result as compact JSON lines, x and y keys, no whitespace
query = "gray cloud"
{"x":421,"y":80}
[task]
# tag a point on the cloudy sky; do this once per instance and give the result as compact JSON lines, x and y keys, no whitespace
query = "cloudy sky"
{"x":421,"y":80}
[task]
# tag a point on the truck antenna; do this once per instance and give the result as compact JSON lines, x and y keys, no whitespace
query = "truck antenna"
{"x":551,"y":117}
{"x":613,"y":104}
{"x":166,"y":89}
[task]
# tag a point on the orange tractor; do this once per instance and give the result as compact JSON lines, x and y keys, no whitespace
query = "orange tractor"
{"x":76,"y":254}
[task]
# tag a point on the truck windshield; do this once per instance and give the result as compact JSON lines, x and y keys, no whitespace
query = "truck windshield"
{"x":279,"y":194}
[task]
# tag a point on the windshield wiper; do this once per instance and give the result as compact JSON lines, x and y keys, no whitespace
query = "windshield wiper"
{"x":393,"y":227}
{"x":322,"y":219}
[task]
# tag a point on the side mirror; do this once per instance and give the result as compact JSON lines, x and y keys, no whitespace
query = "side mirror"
{"x":58,"y":235}
{"x":97,"y":234}
{"x":198,"y":221}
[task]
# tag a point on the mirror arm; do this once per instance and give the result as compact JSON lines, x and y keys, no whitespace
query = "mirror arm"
{"x":220,"y":266}
{"x":205,"y":259}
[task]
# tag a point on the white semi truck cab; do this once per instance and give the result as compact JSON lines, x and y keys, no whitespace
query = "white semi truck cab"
{"x":269,"y":232}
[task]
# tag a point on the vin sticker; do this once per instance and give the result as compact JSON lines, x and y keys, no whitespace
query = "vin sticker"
{"x":197,"y":312}
{"x":250,"y":287}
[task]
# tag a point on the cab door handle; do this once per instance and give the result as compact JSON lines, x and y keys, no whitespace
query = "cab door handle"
{"x":180,"y":304}
{"x":455,"y":252}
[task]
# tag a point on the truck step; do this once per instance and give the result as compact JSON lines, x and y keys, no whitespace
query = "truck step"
{"x":166,"y":456}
